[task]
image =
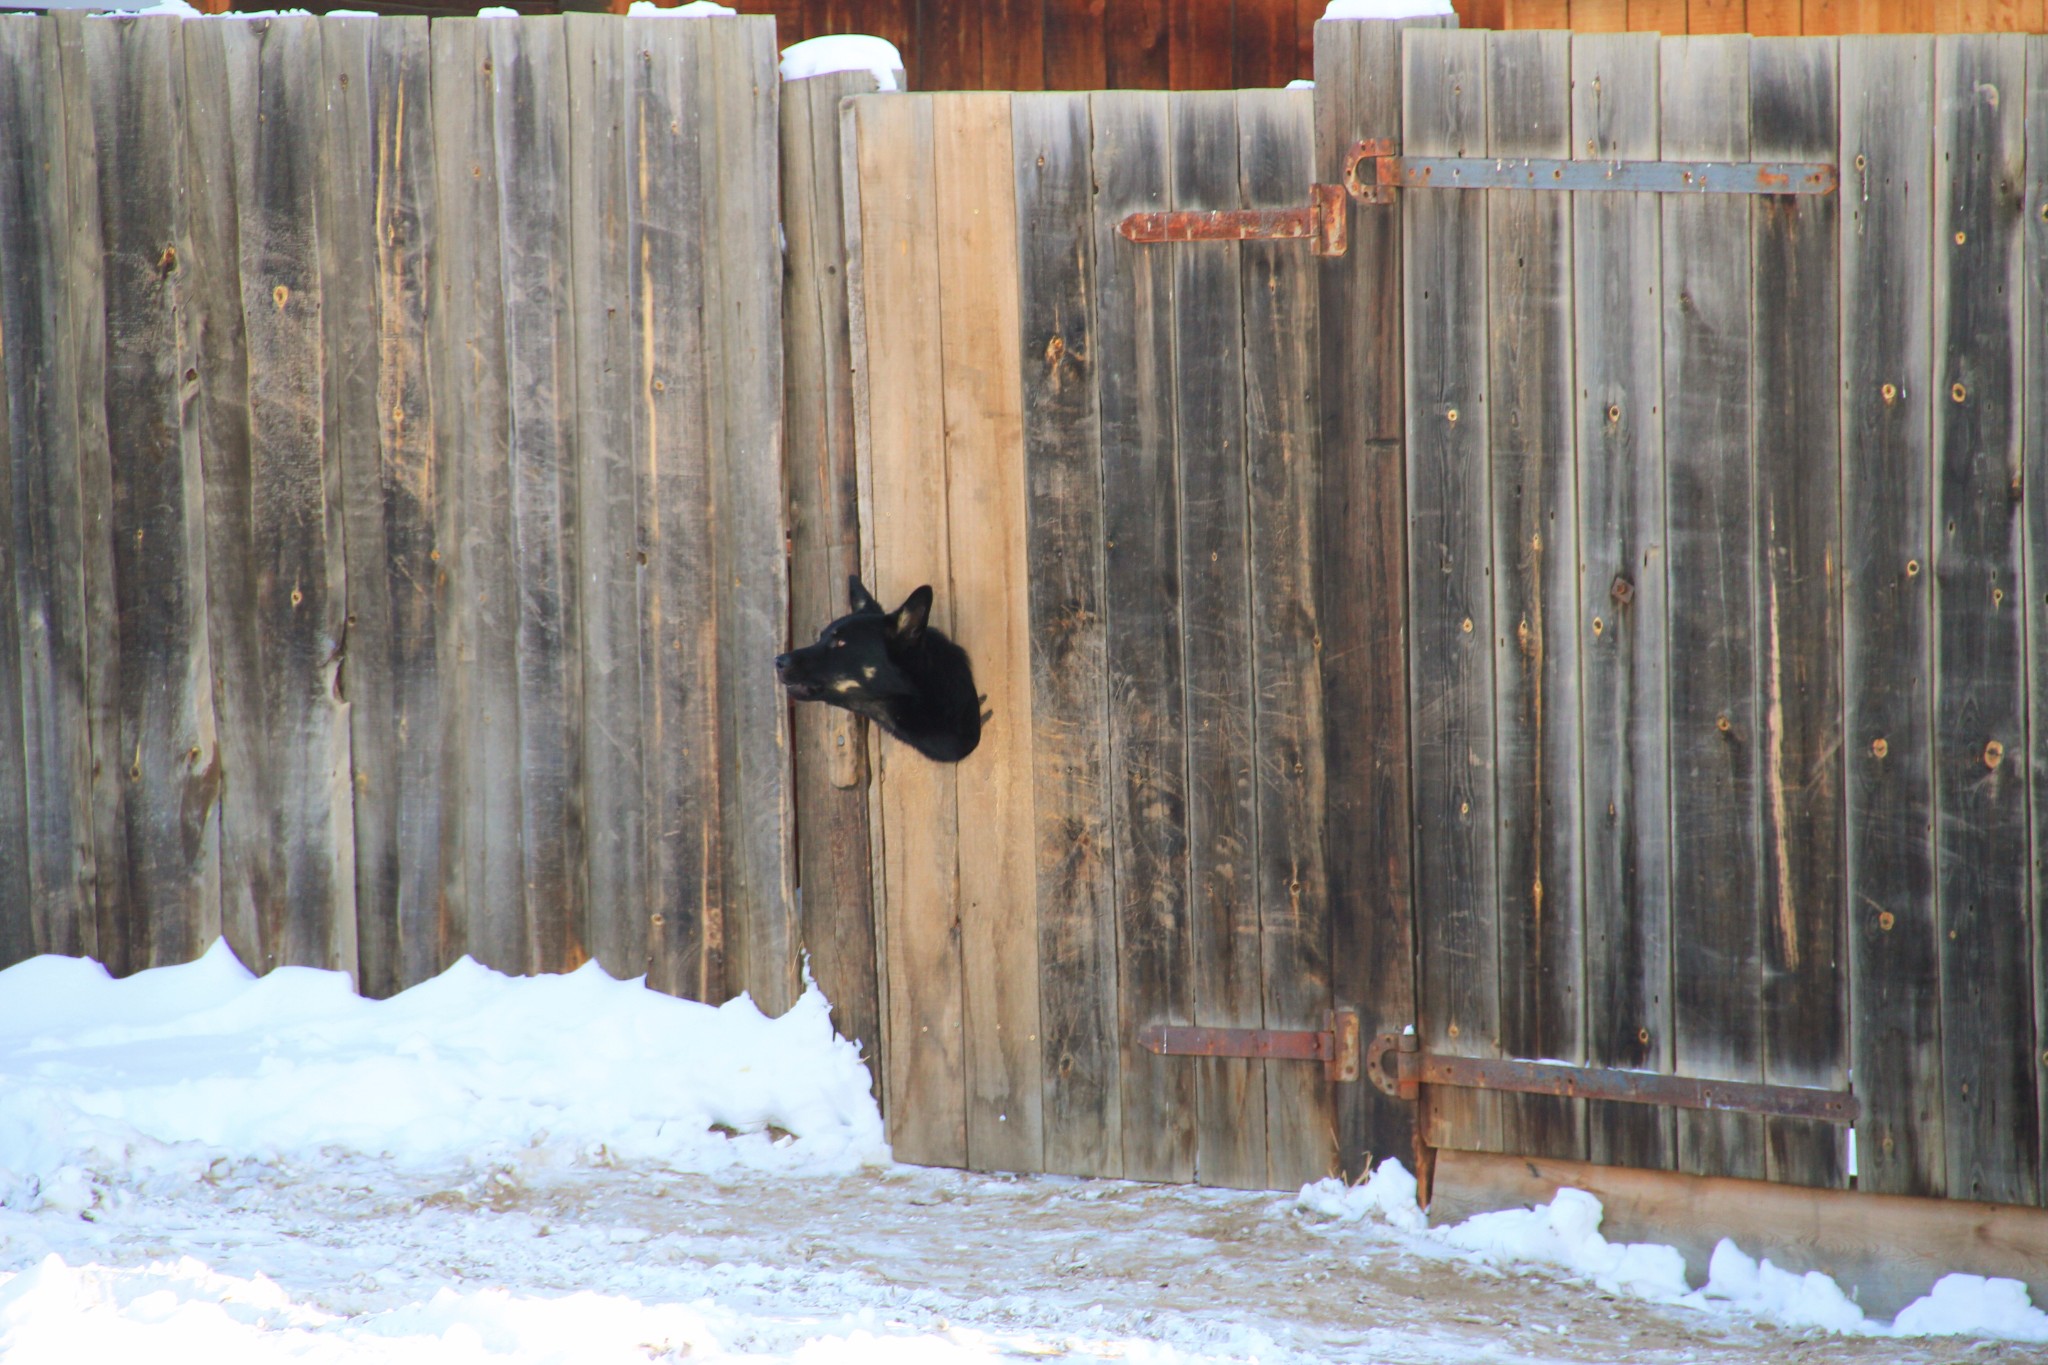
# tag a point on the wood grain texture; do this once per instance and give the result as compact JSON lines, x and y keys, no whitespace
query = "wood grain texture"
{"x":1262,"y":43}
{"x":1450,"y":588}
{"x":1712,"y":553}
{"x":1989,"y":1068}
{"x":1012,"y":45}
{"x":988,"y":585}
{"x":1215,"y":550}
{"x":17,"y":153}
{"x":52,"y":911}
{"x":828,"y":748}
{"x":897,"y":352}
{"x":1886,"y":233}
{"x":1069,"y":675}
{"x":1535,"y":554}
{"x":2035,"y":414}
{"x":1075,"y":48}
{"x":1198,"y":43}
{"x":1135,"y":45}
{"x":1132,"y":163}
{"x":1363,"y":578}
{"x":1795,"y":437}
{"x":1624,"y":608}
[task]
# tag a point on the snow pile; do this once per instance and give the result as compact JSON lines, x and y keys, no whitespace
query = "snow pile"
{"x":1565,"y":1235}
{"x":161,"y":1074}
{"x":696,"y":9}
{"x":1386,"y":9}
{"x":844,"y":52}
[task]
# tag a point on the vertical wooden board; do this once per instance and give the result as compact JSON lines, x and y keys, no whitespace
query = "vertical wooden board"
{"x":1076,"y":50}
{"x":1795,"y":437}
{"x":47,"y":584}
{"x":948,"y":48}
{"x":17,"y":153}
{"x":1623,"y":605}
{"x":828,"y":748}
{"x":1906,"y":16}
{"x":1599,"y":16}
{"x":1262,"y":44}
{"x":743,"y":366}
{"x":1450,"y":588}
{"x":1656,"y":16}
{"x":1887,"y":229}
{"x":1840,"y":16}
{"x":1711,"y":538}
{"x":898,"y":351}
{"x":1363,"y":576}
{"x":154,"y":731}
{"x":1535,"y":589}
{"x":1989,"y":1067}
{"x":530,"y":130}
{"x":602,"y":64}
{"x":988,"y":584}
{"x":1709,"y":17}
{"x":674,"y":544}
{"x":1069,"y":679}
{"x":485,"y":914}
{"x":1216,"y":641}
{"x":1773,"y":18}
{"x":1198,"y":38}
{"x":1276,"y":157}
{"x":2034,"y":197}
{"x":1142,"y":621}
{"x":1012,"y":45}
{"x":1135,"y":44}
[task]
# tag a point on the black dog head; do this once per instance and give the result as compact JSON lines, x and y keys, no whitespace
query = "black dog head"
{"x":893,"y":668}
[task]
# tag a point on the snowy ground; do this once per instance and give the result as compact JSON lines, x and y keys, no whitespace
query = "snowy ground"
{"x":195,"y":1165}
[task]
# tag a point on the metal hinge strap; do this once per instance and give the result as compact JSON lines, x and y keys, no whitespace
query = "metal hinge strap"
{"x":1336,"y":1047}
{"x":1320,"y":222}
{"x":1375,"y":168}
{"x":1399,"y":1068}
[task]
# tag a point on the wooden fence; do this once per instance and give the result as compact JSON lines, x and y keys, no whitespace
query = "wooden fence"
{"x":391,"y":465}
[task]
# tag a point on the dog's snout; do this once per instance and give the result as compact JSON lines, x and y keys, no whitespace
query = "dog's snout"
{"x":781,"y":663}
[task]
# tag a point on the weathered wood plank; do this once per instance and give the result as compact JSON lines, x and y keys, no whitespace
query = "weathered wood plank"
{"x":53,"y":911}
{"x":1886,"y":157}
{"x":2035,"y":415}
{"x":1990,"y":1070}
{"x":897,"y":352}
{"x":1535,"y":589}
{"x":1276,"y":158}
{"x":1142,"y":625}
{"x":1012,"y":51}
{"x":602,"y":66}
{"x":738,"y":86}
{"x":1795,"y":437}
{"x":674,"y":546}
{"x":1076,"y":51}
{"x":18,"y":152}
{"x":1135,"y":45}
{"x":1450,"y":590}
{"x":828,"y":749}
{"x":1623,"y":604}
{"x":154,"y":733}
{"x":1717,"y":970}
{"x":975,"y":206}
{"x":486,"y":882}
{"x":1215,"y":551}
{"x":1069,"y":677}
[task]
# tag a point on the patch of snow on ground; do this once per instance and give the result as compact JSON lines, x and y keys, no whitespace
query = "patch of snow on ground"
{"x":844,"y":52}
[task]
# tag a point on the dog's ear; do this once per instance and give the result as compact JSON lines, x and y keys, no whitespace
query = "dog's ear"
{"x":859,"y":598}
{"x":910,"y":618}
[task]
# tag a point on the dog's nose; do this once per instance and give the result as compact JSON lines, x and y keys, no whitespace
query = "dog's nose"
{"x":781,"y":662}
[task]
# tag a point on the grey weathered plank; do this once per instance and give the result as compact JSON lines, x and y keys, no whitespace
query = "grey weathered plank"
{"x":1623,"y":606}
{"x":53,"y":911}
{"x":486,"y":882}
{"x":828,"y":748}
{"x":613,"y":761}
{"x":1711,"y":546}
{"x":1990,"y":1072}
{"x":1215,"y":550}
{"x":1070,"y":723}
{"x":678,"y":674}
{"x":2035,"y":415}
{"x":743,"y":366}
{"x":1362,"y":575}
{"x":1276,"y":157}
{"x":1450,"y":589}
{"x":1142,"y":621}
{"x":1886,"y":233}
{"x":19,"y":149}
{"x":275,"y":592}
{"x":1535,"y":588}
{"x":153,"y":724}
{"x":1795,"y":437}
{"x":530,"y":74}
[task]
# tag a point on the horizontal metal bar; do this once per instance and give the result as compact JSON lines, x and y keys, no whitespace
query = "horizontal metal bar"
{"x":1374,"y":169}
{"x":1399,"y":1072}
{"x":1335,"y":1047}
{"x":1321,"y":222}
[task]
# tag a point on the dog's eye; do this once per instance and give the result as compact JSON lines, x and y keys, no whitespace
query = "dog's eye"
{"x":839,"y":644}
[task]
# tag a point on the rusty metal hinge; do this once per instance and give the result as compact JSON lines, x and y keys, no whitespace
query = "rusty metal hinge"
{"x":1336,"y":1047}
{"x":1375,"y":168}
{"x":1320,"y":221}
{"x":1412,"y":1068}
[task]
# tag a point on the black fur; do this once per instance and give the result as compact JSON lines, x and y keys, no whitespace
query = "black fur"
{"x":896,"y":670}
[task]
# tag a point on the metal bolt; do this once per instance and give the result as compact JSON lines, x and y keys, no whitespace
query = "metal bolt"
{"x":1598,"y":625}
{"x":1961,"y":237}
{"x":1721,"y":724}
{"x":1879,"y":748}
{"x":1912,"y":568}
{"x":1885,"y":920}
{"x":1994,"y":754}
{"x":1642,"y":1035}
{"x":1890,"y":393}
{"x":1956,"y":391}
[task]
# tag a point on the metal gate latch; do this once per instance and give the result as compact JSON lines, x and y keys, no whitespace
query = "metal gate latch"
{"x":1400,"y":1068}
{"x":1321,"y":221}
{"x":1336,"y":1047}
